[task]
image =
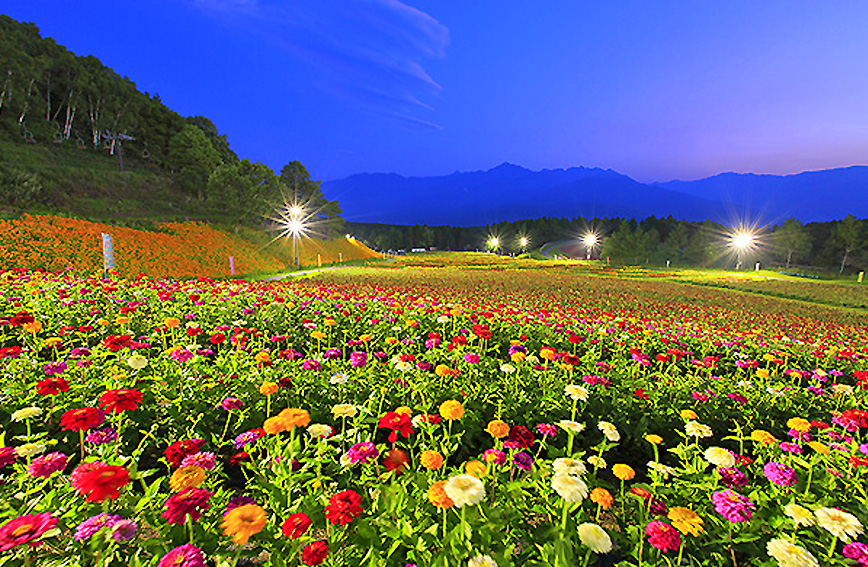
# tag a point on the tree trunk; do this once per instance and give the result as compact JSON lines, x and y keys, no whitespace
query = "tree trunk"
{"x":5,"y":90}
{"x":93,"y":111}
{"x":26,"y":103}
{"x":48,"y":98}
{"x":844,"y":261}
{"x":789,"y":257}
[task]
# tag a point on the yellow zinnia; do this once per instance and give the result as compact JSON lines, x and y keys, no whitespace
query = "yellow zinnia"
{"x":191,"y":475}
{"x":623,"y":472}
{"x":688,"y":414}
{"x":653,"y":439}
{"x":799,"y":424}
{"x":685,"y":521}
{"x":497,"y":429}
{"x":451,"y":410}
{"x":763,"y":437}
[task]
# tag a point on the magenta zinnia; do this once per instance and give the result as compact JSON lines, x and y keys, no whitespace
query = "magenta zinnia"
{"x":25,"y":529}
{"x":733,"y":506}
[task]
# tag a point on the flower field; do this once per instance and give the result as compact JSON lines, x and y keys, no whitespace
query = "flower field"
{"x":179,"y":250}
{"x":427,"y":416}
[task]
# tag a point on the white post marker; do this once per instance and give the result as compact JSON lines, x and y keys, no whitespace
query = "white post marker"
{"x":861,"y":275}
{"x":108,"y":253}
{"x":231,"y":266}
{"x":340,"y":256}
{"x":757,"y":267}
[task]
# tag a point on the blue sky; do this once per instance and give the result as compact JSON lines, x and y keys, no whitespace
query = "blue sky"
{"x":656,"y":90}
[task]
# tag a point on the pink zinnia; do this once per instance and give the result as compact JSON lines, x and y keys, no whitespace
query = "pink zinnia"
{"x":780,"y":474}
{"x":546,"y":429}
{"x":206,"y":460}
{"x":25,"y":529}
{"x":231,"y":403}
{"x":358,"y":359}
{"x":47,"y":465}
{"x":733,"y":506}
{"x":362,"y":452}
{"x":190,"y":501}
{"x":663,"y":536}
{"x":7,"y":456}
{"x":183,"y":556}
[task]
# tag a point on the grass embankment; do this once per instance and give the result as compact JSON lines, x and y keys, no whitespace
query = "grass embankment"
{"x":179,"y":250}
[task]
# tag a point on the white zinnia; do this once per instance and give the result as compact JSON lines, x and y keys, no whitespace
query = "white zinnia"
{"x":319,"y":430}
{"x":29,"y":450}
{"x":565,"y":465}
{"x":595,"y":538}
{"x":339,"y":378}
{"x":571,"y":426}
{"x":664,"y":470}
{"x":841,"y":524}
{"x":507,"y":368}
{"x":800,"y":515}
{"x":569,"y":487}
{"x":719,"y":457}
{"x":576,"y":392}
{"x":464,"y":490}
{"x":137,"y":361}
{"x":790,"y":555}
{"x":481,"y":561}
{"x":344,"y":410}
{"x":26,"y":413}
{"x":696,"y":429}
{"x":610,"y":431}
{"x":597,"y":462}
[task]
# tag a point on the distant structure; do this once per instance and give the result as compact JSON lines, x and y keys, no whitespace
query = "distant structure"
{"x":116,"y":141}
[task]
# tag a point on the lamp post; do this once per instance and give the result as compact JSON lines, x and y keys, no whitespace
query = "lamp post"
{"x":295,"y":227}
{"x":523,"y":241}
{"x":494,"y":243}
{"x":741,"y":241}
{"x":590,"y":240}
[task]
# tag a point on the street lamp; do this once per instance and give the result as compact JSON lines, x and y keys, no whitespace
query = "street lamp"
{"x":742,"y":241}
{"x":590,"y":240}
{"x":523,"y":241}
{"x":295,"y":227}
{"x":494,"y":243}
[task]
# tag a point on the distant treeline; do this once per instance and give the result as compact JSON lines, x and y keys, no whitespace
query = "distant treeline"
{"x":841,"y":245}
{"x":49,"y":95}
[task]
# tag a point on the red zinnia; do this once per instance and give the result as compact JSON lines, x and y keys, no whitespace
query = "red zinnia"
{"x":120,"y":400}
{"x":52,"y":385}
{"x":99,"y":481}
{"x":344,"y":507}
{"x":176,"y":452}
{"x":663,"y":536}
{"x":10,"y":352}
{"x":398,"y":423}
{"x":81,"y":419}
{"x":296,"y":525}
{"x":21,"y":318}
{"x":860,"y":417}
{"x":314,"y":553}
{"x":521,"y":435}
{"x":396,"y":459}
{"x":116,"y":342}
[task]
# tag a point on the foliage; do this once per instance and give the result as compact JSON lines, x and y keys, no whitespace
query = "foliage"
{"x":664,"y":397}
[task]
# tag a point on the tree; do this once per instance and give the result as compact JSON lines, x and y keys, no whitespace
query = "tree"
{"x":193,"y":159}
{"x":848,"y":234}
{"x":299,"y":189}
{"x":792,"y":239}
{"x":243,"y":189}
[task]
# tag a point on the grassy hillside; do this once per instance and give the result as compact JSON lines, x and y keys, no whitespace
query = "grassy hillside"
{"x":182,"y":250}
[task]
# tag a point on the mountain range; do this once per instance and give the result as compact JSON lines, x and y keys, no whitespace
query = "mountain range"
{"x":510,"y":192}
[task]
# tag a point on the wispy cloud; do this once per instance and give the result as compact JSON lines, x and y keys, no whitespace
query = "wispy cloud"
{"x":369,"y":52}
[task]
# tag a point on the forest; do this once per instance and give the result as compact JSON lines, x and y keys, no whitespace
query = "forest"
{"x":49,"y":97}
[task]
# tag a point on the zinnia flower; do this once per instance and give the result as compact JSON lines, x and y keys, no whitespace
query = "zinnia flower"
{"x":569,"y":487}
{"x":566,"y":465}
{"x":780,"y":474}
{"x":451,"y":410}
{"x":523,"y":461}
{"x":26,"y":413}
{"x":25,"y":529}
{"x":800,"y":515}
{"x":296,"y":525}
{"x":438,"y":497}
{"x":85,"y":530}
{"x":842,"y":525}
{"x":858,"y":552}
{"x":733,"y":506}
{"x":47,"y":465}
{"x":497,"y":429}
{"x":185,"y":476}
{"x":189,"y":502}
{"x":243,"y":522}
{"x":696,"y":429}
{"x":719,"y":457}
{"x":176,"y":452}
{"x":344,"y":410}
{"x":398,"y":423}
{"x":623,"y":472}
{"x":81,"y":419}
{"x":602,"y":497}
{"x":481,"y":561}
{"x":576,"y":392}
{"x":663,"y":536}
{"x":183,"y":556}
{"x":465,"y":489}
{"x":431,"y":460}
{"x":362,"y":452}
{"x":789,"y":554}
{"x":595,"y":538}
{"x":685,"y":521}
{"x":117,"y":401}
{"x":344,"y":507}
{"x":99,"y":481}
{"x":314,"y":553}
